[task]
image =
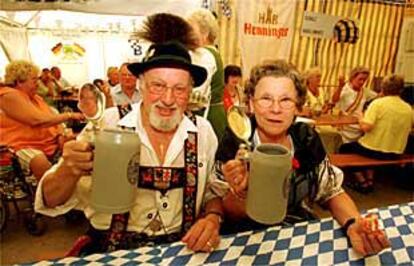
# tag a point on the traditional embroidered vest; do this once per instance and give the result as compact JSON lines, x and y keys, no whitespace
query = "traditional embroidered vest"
{"x":163,"y":179}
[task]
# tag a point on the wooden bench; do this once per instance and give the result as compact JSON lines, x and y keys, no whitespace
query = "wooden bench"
{"x":356,"y":160}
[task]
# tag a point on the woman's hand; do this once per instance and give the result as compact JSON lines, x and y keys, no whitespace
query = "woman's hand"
{"x":367,"y":240}
{"x":235,"y":173}
{"x":76,"y":116}
{"x":204,"y":234}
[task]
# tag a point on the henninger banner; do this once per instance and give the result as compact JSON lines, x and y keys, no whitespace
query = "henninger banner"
{"x":266,"y":29}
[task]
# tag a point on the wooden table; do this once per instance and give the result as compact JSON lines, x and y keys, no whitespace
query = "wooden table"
{"x":356,"y":160}
{"x":332,"y":120}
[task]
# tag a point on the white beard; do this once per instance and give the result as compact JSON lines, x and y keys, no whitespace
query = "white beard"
{"x":164,"y":124}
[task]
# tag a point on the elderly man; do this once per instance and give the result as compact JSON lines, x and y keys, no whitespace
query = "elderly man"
{"x":60,"y":83}
{"x":126,"y":92}
{"x":165,"y":209}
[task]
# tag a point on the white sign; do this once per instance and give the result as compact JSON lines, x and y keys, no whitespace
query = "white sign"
{"x":319,"y":25}
{"x":266,"y":29}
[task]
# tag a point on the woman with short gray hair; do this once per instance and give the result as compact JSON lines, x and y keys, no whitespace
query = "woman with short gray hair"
{"x":276,"y":95}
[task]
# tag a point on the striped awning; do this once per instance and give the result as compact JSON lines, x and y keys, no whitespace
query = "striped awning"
{"x":378,"y":24}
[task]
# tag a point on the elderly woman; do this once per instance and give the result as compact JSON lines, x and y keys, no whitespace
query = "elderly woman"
{"x":206,"y":28}
{"x":45,"y":87}
{"x":90,"y":104}
{"x":88,"y":100}
{"x":316,"y":105}
{"x":27,"y":123}
{"x":276,"y":95}
{"x":387,"y":123}
{"x":315,"y":100}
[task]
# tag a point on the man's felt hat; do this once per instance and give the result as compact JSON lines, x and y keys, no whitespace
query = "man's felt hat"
{"x":169,"y":54}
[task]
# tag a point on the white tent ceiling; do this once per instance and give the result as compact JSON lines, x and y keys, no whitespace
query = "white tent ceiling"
{"x":119,"y":15}
{"x":68,"y":20}
{"x":118,"y":7}
{"x":101,"y":27}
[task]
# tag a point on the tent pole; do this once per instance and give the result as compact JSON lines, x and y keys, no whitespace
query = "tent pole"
{"x":10,"y":23}
{"x":32,"y":18}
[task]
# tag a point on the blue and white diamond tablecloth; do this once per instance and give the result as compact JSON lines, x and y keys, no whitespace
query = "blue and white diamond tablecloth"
{"x":318,"y":242}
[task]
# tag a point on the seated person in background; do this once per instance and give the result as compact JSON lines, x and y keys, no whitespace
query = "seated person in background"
{"x":59,"y":82}
{"x":88,"y":100}
{"x":106,"y":90}
{"x":276,"y":94}
{"x":315,"y":99}
{"x":353,"y":96}
{"x":164,"y":210}
{"x":232,"y":79}
{"x":46,"y":87}
{"x":27,"y":123}
{"x":126,"y":92}
{"x":88,"y":105}
{"x":315,"y":105}
{"x":113,"y":76}
{"x":387,"y":123}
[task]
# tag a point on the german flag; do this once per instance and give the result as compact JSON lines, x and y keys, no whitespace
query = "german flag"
{"x":78,"y":49}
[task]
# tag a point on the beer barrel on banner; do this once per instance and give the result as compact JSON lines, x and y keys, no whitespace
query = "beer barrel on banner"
{"x":346,"y":31}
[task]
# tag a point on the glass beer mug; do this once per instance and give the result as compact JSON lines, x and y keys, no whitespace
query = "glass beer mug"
{"x":270,"y":167}
{"x":116,"y":156}
{"x":267,"y":194}
{"x":115,"y":169}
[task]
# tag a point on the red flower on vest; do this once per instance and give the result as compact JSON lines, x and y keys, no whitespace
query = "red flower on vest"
{"x":295,"y":163}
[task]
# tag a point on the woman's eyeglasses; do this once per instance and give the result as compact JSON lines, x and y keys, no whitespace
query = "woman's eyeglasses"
{"x":267,"y":102}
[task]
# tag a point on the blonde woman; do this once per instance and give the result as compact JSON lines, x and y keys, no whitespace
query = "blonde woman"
{"x":113,"y":76}
{"x":27,"y":123}
{"x":315,"y":99}
{"x":353,"y":96}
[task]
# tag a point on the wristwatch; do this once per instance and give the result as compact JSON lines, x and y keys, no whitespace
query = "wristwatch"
{"x":347,"y":224}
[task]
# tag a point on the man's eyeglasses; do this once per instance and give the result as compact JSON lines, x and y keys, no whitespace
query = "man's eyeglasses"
{"x":267,"y":102}
{"x":159,"y":88}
